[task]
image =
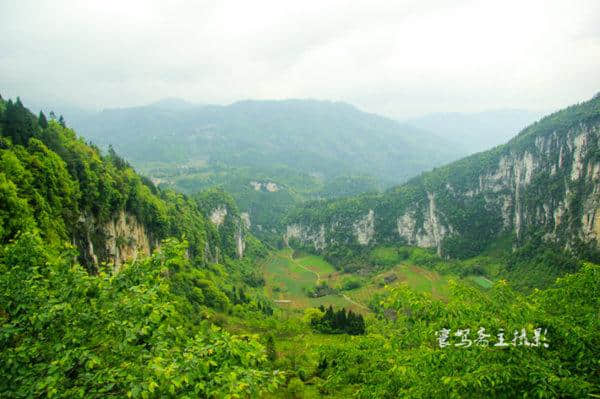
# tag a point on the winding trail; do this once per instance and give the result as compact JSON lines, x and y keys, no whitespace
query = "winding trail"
{"x":309,"y":270}
{"x":347,"y":298}
{"x":291,"y":259}
{"x":352,"y":301}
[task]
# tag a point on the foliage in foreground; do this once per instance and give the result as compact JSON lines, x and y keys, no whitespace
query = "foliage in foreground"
{"x":338,"y":322}
{"x":66,"y":333}
{"x":403,"y":357}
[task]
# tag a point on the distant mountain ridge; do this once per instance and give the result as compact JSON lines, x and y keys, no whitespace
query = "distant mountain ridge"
{"x":329,"y":138}
{"x":545,"y":183}
{"x":477,"y":131}
{"x":307,"y":148}
{"x":173,"y":103}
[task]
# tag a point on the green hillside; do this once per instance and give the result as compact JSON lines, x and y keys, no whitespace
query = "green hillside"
{"x":72,"y":327}
{"x":516,"y":189}
{"x":113,"y":287}
{"x":309,"y":149}
{"x":310,"y":136}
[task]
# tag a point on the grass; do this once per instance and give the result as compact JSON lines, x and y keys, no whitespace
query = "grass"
{"x":416,"y":277}
{"x":481,"y":281}
{"x":317,"y":264}
{"x":289,"y":276}
{"x":386,"y":256}
{"x":286,"y":280}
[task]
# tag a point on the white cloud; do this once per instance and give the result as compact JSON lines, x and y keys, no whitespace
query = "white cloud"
{"x":396,"y":58}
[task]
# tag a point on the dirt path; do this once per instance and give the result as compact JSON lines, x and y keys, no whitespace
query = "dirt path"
{"x":291,"y":259}
{"x":424,"y":272}
{"x":360,"y":305}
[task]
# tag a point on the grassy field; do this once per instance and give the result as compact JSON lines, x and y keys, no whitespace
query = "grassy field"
{"x":289,"y":279}
{"x":290,"y":276}
{"x":481,"y":281}
{"x":316,"y":264}
{"x":417,"y":278}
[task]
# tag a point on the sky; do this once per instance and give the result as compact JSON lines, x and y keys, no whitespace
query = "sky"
{"x":396,"y":58}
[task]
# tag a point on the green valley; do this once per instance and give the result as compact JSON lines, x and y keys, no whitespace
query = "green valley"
{"x":459,"y":283}
{"x":292,"y":278}
{"x":299,"y":199}
{"x":280,"y":153}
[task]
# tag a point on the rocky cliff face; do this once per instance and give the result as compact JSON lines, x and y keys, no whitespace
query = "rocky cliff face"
{"x":124,"y":238}
{"x":431,"y":233}
{"x":236,"y":223}
{"x":115,"y":242}
{"x":548,"y":182}
{"x":553,"y":185}
{"x":307,"y":235}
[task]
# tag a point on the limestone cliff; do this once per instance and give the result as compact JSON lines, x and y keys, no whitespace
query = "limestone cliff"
{"x":306,"y":235}
{"x":121,"y":239}
{"x":231,"y":228}
{"x":546,"y":179}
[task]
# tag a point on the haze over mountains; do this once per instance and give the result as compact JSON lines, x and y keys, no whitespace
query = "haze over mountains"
{"x":453,"y":134}
{"x":292,"y":200}
{"x":187,"y":133}
{"x":526,"y":212}
{"x":316,"y":137}
{"x":477,"y":131}
{"x":308,"y":149}
{"x":543,"y":182}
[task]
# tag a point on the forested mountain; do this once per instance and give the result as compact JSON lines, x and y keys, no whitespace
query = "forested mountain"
{"x":320,"y":137}
{"x":113,"y":287}
{"x":477,"y":131}
{"x":544,"y":183}
{"x":83,"y":305}
{"x":57,"y":183}
{"x":304,"y":149}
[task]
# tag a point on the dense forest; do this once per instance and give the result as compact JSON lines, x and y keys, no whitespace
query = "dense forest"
{"x":74,"y":327}
{"x":92,"y":307}
{"x":308,"y":149}
{"x":541,"y":188}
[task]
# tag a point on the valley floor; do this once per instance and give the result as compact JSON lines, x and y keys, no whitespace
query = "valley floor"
{"x":425,"y":299}
{"x":292,"y":276}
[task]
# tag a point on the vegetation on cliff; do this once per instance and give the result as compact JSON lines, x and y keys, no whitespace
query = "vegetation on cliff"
{"x":194,"y":319}
{"x":526,"y":187}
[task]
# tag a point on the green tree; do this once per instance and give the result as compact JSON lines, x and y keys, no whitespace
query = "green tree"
{"x":18,"y":122}
{"x":271,"y":349}
{"x":66,"y":333}
{"x":42,"y":121}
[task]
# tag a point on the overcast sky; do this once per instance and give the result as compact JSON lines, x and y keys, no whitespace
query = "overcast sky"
{"x":397,"y":58}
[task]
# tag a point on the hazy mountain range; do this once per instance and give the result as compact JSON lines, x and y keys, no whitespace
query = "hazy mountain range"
{"x":479,"y":131}
{"x":462,"y":133}
{"x":317,"y":137}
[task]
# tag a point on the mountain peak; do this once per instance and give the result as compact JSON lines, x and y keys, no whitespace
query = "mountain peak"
{"x":172,"y":103}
